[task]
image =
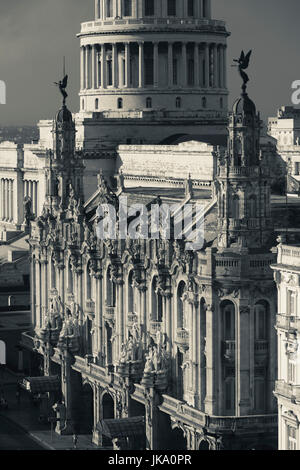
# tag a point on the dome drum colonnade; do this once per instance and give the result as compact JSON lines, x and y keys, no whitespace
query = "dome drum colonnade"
{"x":161,"y":56}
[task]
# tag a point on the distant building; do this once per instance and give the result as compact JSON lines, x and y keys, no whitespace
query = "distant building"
{"x":287,"y":391}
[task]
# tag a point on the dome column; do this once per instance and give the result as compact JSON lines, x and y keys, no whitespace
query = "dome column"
{"x":215,"y":65}
{"x":155,"y":64}
{"x":170,"y":64}
{"x":127,"y":65}
{"x":93,"y":53}
{"x":196,"y":65}
{"x":184,"y":65}
{"x":103,"y":84}
{"x":82,"y":57}
{"x":141,"y":65}
{"x":207,"y":66}
{"x":87,"y":67}
{"x":114,"y":66}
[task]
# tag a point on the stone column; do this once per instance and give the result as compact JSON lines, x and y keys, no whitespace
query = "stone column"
{"x":207,"y":71}
{"x":141,"y":65}
{"x":127,"y":65}
{"x":243,"y":401}
{"x":170,"y":65}
{"x":155,"y":64}
{"x":184,"y":65}
{"x":196,"y":65}
{"x":87,"y":62}
{"x":210,"y":346}
{"x":97,"y":67}
{"x":114,"y":66}
{"x":103,"y":80}
{"x":221,"y":70}
{"x":82,"y":53}
{"x":94,"y":61}
{"x":215,"y":66}
{"x":225,"y":66}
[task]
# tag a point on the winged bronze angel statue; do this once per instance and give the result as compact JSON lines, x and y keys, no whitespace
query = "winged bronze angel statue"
{"x":243,"y":64}
{"x":62,"y":85}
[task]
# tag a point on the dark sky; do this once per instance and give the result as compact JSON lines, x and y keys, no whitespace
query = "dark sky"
{"x":35,"y":34}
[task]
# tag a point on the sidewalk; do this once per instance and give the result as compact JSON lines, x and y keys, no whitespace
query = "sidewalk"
{"x":26,"y":416}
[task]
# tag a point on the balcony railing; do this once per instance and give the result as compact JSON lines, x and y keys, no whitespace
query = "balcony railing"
{"x":261,"y":347}
{"x":90,"y":307}
{"x":131,"y":318}
{"x":110,"y":313}
{"x":287,"y":390}
{"x":182,"y":338}
{"x":155,"y":326}
{"x":287,"y":322}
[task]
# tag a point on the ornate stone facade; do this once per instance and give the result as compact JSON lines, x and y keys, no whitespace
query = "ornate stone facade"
{"x":149,"y":328}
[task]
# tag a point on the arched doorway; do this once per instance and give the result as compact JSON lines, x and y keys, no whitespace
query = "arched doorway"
{"x":204,"y":445}
{"x":108,"y":412}
{"x":86,"y":424}
{"x":178,"y":440}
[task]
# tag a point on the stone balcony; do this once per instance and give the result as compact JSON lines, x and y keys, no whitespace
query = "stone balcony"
{"x":287,"y":390}
{"x":131,"y":318}
{"x":155,"y":326}
{"x":228,"y":350}
{"x":132,"y":24}
{"x":287,"y":322}
{"x":90,"y":308}
{"x":110,"y":313}
{"x":182,"y":338}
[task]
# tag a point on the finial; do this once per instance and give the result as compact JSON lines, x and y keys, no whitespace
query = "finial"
{"x":62,"y":84}
{"x":243,"y":64}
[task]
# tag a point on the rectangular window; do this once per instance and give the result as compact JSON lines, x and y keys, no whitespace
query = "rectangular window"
{"x":109,"y":73}
{"x":175,"y":72}
{"x":229,"y":396}
{"x":191,"y":72}
{"x":291,"y":438}
{"x":171,"y":7}
{"x":127,"y":7}
{"x":109,"y":8}
{"x":149,"y":78}
{"x":291,"y":298}
{"x":149,"y":8}
{"x":259,"y":395}
{"x":191,"y":8}
{"x":292,"y":372}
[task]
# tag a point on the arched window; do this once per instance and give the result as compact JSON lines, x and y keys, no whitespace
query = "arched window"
{"x":228,"y":320}
{"x":149,"y":8}
{"x":252,"y":207}
{"x":88,"y":283}
{"x":171,"y":7}
{"x":204,"y":102}
{"x":70,"y":279}
{"x":191,"y":8}
{"x":180,"y":304}
{"x":178,"y":102}
{"x":110,"y":290}
{"x":156,"y":302}
{"x":149,"y":103}
{"x":96,"y":103}
{"x":130,"y":293}
{"x":235,"y":208}
{"x":120,"y":103}
{"x":127,"y":7}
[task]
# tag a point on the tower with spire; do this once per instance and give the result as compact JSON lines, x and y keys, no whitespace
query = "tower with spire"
{"x":64,"y":168}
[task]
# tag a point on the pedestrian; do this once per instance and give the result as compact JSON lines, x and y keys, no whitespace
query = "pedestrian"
{"x":75,"y":440}
{"x":18,"y":397}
